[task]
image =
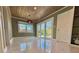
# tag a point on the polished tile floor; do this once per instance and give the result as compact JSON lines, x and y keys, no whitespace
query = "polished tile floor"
{"x":40,"y":45}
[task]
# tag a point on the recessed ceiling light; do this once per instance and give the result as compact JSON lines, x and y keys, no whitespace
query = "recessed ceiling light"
{"x":35,"y":8}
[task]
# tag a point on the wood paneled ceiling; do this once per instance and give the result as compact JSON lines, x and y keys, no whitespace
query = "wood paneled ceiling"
{"x":76,"y":10}
{"x":35,"y":13}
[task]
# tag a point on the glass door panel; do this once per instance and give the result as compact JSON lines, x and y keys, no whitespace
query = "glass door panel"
{"x":38,"y":30}
{"x":42,"y":30}
{"x":49,"y":29}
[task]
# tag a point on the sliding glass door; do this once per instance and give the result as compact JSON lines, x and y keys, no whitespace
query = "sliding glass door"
{"x":42,"y":30}
{"x":49,"y":29}
{"x":45,"y":32}
{"x":45,"y":29}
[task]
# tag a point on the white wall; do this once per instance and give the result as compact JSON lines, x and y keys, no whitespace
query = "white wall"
{"x":64,"y":26}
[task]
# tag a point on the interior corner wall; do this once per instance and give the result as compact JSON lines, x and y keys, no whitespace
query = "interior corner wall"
{"x":35,"y":30}
{"x":54,"y":26}
{"x":64,"y":26}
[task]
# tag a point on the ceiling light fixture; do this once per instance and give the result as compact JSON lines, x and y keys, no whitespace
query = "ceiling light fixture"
{"x":35,"y":8}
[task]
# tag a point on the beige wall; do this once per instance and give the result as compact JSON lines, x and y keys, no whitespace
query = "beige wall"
{"x":64,"y":26}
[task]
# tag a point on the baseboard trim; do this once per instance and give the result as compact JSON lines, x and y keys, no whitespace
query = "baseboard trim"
{"x":69,"y":44}
{"x":74,"y":45}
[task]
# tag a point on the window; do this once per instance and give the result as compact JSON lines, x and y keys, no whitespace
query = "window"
{"x":29,"y":28}
{"x":24,"y":27}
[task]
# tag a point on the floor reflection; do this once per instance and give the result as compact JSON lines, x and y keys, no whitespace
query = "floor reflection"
{"x":45,"y":44}
{"x":39,"y":45}
{"x":23,"y":46}
{"x":42,"y":43}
